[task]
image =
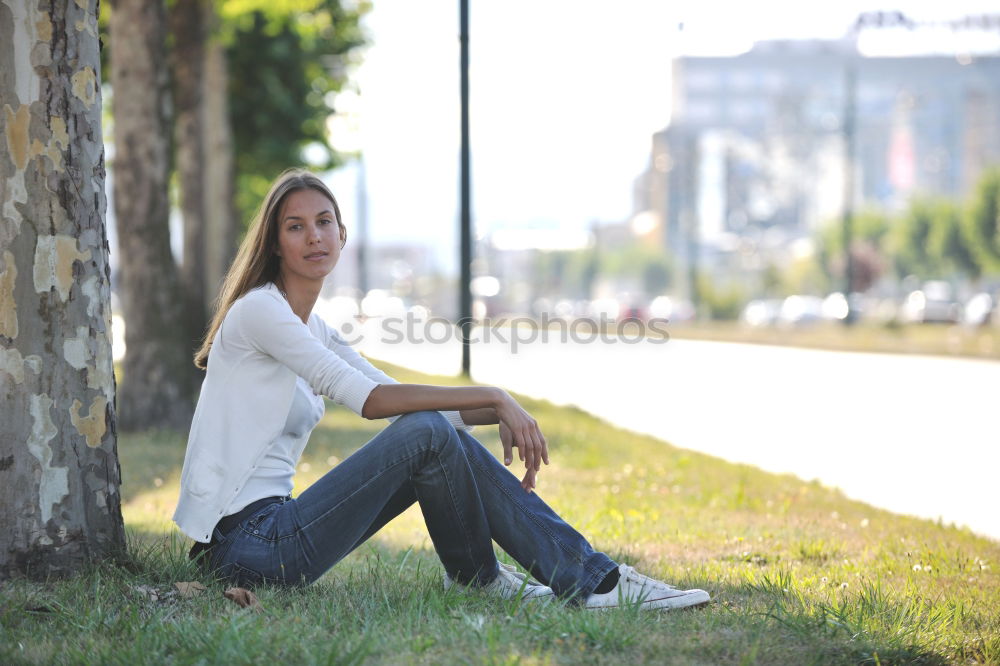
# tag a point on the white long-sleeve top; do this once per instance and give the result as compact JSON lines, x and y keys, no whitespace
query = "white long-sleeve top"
{"x":273,"y":474}
{"x":246,"y":397}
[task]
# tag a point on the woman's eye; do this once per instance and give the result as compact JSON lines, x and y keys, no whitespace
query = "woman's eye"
{"x":326,"y":221}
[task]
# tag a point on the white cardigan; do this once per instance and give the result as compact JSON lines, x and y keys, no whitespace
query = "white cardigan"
{"x":257,"y":352}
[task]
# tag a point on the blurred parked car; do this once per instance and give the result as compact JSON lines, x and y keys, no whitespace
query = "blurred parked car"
{"x":834,"y":307}
{"x":800,"y":311}
{"x":632,"y":311}
{"x":933,"y":303}
{"x":761,"y":312}
{"x":675,"y":310}
{"x":980,"y":310}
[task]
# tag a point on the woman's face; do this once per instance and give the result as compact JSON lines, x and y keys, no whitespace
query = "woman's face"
{"x":308,"y":237}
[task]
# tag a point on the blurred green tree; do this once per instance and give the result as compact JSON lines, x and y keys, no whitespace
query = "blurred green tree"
{"x":648,"y":266}
{"x":867,"y":250}
{"x":572,"y":273}
{"x":981,"y":224}
{"x":721,"y":302}
{"x":285,"y":58}
{"x":909,"y":241}
{"x":251,"y":83}
{"x":948,"y":244}
{"x":772,"y":282}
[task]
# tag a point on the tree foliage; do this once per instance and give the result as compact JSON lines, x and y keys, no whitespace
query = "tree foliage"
{"x":869,"y":232}
{"x":947,"y":244}
{"x":572,"y":273}
{"x":982,"y":222}
{"x":285,"y":58}
{"x":909,"y":240}
{"x":934,"y":238}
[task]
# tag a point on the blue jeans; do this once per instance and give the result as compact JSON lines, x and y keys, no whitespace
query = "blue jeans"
{"x":468,"y":500}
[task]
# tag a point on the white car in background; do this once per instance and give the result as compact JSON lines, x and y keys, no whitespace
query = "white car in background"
{"x":761,"y":312}
{"x":980,"y":310}
{"x":932,"y":304}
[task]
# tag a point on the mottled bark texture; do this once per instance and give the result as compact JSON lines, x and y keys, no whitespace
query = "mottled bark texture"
{"x":60,"y":504}
{"x":187,"y":60}
{"x":158,"y":374}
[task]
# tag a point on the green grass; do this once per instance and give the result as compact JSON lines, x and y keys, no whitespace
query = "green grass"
{"x":798,"y":574}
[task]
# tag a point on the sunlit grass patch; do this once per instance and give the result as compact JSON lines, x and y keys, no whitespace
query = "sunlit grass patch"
{"x":797,"y":572}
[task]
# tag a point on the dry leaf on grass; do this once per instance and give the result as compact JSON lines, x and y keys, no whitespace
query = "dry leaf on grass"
{"x":243,"y":598}
{"x":191,"y":589}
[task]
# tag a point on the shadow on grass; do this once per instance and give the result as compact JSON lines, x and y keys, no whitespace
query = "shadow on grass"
{"x":768,"y":621}
{"x":387,"y":603}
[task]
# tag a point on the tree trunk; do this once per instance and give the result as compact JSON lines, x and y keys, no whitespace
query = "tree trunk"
{"x":157,"y":385}
{"x":187,"y":64}
{"x":220,"y":207}
{"x":59,"y":473}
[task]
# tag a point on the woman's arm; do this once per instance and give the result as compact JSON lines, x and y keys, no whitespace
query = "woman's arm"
{"x":393,"y":399}
{"x":484,"y":416}
{"x":490,"y":404}
{"x":340,"y":347}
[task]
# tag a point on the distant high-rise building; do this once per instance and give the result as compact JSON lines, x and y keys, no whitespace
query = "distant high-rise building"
{"x":754,"y":152}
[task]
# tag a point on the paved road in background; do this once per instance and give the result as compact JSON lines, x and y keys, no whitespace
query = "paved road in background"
{"x":914,"y":434}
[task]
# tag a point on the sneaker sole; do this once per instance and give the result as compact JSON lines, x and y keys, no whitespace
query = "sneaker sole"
{"x":696,"y":598}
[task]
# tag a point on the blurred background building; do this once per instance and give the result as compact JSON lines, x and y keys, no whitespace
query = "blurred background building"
{"x":753,"y":160}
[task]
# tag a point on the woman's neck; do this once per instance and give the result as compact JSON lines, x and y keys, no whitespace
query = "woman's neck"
{"x":301,"y":295}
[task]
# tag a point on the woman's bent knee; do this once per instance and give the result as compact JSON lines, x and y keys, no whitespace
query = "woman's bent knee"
{"x":430,"y":427}
{"x":429,"y":420}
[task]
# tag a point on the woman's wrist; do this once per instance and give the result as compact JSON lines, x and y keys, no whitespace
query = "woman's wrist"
{"x":498,"y":397}
{"x":482,"y":416}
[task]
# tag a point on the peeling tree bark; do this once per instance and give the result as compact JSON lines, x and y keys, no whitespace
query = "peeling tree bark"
{"x":59,"y":473}
{"x":158,"y":380}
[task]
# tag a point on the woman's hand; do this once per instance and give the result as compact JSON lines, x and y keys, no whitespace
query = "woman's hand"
{"x":519,"y":429}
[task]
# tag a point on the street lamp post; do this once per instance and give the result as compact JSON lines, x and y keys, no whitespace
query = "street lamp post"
{"x":847,"y":223}
{"x":465,"y":291}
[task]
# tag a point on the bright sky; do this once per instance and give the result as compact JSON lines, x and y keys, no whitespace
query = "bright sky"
{"x":565,"y":95}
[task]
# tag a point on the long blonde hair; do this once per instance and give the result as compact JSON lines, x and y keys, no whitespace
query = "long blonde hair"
{"x":257,"y":262}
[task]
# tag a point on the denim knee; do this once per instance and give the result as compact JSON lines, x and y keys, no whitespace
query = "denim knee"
{"x":438,"y":431}
{"x":429,"y":419}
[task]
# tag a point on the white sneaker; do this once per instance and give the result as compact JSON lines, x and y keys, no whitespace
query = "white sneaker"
{"x":635,"y":589}
{"x":510,"y":584}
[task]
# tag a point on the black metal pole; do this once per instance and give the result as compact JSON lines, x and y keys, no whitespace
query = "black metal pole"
{"x":465,"y":291}
{"x":850,"y":87}
{"x":362,"y":222}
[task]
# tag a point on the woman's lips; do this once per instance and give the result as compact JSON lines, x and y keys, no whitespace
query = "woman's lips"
{"x":316,"y":256}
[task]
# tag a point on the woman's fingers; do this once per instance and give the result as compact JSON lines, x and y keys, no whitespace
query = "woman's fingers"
{"x":532,"y":449}
{"x":531,"y":453}
{"x":539,"y":448}
{"x":507,"y":439}
{"x":524,"y":451}
{"x":528,"y":482}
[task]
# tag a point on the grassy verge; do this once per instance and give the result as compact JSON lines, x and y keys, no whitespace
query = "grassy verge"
{"x":940,"y":340}
{"x":798,"y":574}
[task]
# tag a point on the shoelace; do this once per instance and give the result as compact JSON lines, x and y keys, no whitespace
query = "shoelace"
{"x":632,"y":575}
{"x":520,"y":580}
{"x":513,"y":572}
